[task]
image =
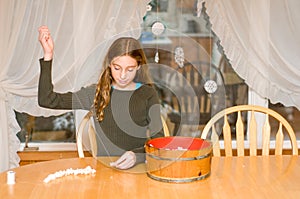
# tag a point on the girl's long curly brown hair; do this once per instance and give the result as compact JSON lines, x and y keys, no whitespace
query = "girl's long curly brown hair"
{"x":120,"y":47}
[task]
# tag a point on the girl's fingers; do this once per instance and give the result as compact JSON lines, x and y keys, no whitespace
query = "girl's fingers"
{"x":126,"y":161}
{"x":125,"y":165}
{"x":44,"y":33}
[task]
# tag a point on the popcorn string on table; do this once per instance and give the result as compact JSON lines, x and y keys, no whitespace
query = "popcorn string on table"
{"x":86,"y":171}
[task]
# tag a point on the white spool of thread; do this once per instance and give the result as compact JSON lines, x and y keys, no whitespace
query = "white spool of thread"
{"x":11,"y":177}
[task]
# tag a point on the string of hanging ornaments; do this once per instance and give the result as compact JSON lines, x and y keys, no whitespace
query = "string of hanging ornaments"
{"x":158,"y":29}
{"x":179,"y":52}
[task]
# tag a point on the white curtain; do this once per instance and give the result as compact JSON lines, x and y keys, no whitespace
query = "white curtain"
{"x":262,"y":40}
{"x":82,"y":31}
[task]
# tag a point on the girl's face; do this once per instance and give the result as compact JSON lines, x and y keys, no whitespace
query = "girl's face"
{"x":123,"y":70}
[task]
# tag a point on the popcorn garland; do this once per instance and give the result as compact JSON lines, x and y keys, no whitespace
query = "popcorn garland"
{"x":67,"y":172}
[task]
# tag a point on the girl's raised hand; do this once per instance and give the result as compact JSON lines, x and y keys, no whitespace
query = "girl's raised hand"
{"x":46,"y":41}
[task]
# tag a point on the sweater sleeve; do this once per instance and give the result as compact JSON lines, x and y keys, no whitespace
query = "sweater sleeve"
{"x":47,"y":98}
{"x":155,"y":123}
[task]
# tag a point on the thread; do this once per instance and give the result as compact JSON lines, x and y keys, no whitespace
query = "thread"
{"x":11,"y":177}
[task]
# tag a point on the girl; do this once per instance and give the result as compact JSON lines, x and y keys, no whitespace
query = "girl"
{"x":124,"y":102}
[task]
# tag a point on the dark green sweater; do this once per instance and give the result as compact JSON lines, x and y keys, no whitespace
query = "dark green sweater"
{"x":126,"y":118}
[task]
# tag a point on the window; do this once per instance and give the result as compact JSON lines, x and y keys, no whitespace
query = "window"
{"x":291,"y":114}
{"x":182,"y":27}
{"x":53,"y":129}
{"x":183,"y":30}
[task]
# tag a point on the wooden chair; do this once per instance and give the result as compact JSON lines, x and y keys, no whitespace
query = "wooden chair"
{"x":211,"y":129}
{"x":195,"y":106}
{"x":165,"y":127}
{"x":87,"y":123}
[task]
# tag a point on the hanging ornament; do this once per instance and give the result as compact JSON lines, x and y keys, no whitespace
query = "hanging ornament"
{"x":158,"y":28}
{"x":179,"y":56}
{"x":156,"y":58}
{"x":149,"y":7}
{"x":210,"y":86}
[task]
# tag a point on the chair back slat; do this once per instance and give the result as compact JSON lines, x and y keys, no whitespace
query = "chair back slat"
{"x":196,"y":104}
{"x":279,"y":140}
{"x":202,"y":104}
{"x":215,"y":141}
{"x":196,"y":79}
{"x":266,"y":136}
{"x":182,"y":102}
{"x":253,"y":135}
{"x":188,"y":76}
{"x":175,"y":104}
{"x":189,"y":104}
{"x":180,"y":80}
{"x":207,"y":105}
{"x":227,"y":137}
{"x":240,"y":135}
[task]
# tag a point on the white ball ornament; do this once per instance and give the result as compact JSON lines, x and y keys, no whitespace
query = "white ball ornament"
{"x":158,"y":28}
{"x":210,"y":86}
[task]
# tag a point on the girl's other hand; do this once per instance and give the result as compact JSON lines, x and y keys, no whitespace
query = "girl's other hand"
{"x":126,"y":161}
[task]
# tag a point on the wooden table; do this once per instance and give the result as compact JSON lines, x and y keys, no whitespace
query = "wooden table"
{"x":236,"y":177}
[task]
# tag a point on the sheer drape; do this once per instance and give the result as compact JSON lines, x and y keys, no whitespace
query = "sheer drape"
{"x":262,"y":41}
{"x":82,"y":31}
